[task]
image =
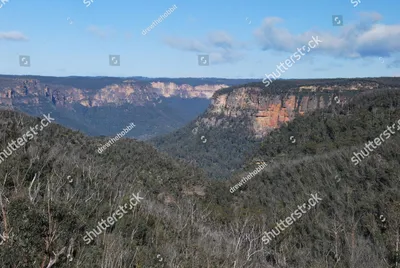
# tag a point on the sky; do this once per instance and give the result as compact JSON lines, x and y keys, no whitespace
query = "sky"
{"x":243,"y":38}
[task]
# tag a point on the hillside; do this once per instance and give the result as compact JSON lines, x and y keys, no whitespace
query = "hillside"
{"x":240,"y":116}
{"x":188,"y":220}
{"x":357,"y":223}
{"x":73,"y":187}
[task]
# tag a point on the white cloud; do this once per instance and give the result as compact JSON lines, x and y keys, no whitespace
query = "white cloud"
{"x":365,"y":39}
{"x":227,"y":56}
{"x":221,"y":39}
{"x":221,"y":47}
{"x":13,"y":35}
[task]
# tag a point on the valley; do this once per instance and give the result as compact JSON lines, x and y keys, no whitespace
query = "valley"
{"x":184,"y":210}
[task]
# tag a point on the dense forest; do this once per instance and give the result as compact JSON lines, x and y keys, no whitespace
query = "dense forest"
{"x":231,"y":142}
{"x":56,"y":188}
{"x":285,"y":86}
{"x":225,"y":149}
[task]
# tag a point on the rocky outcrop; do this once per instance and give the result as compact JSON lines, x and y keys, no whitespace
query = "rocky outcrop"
{"x":172,"y":89}
{"x":267,"y":112}
{"x":31,"y":91}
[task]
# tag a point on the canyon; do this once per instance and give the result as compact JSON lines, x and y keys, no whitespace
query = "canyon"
{"x":16,"y":91}
{"x":103,"y":105}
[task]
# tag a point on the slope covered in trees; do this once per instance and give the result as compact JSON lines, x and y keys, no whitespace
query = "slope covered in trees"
{"x":357,"y":224}
{"x":230,"y":126}
{"x":191,"y":221}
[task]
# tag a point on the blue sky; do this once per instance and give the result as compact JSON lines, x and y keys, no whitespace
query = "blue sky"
{"x":244,"y":38}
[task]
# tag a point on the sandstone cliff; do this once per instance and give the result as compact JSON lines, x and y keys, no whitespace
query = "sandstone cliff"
{"x":269,"y":111}
{"x":31,"y":91}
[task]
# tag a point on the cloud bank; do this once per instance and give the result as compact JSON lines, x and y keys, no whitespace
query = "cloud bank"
{"x":366,"y":38}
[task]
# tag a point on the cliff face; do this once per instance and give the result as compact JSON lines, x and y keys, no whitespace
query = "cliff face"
{"x":267,"y":112}
{"x":31,"y":91}
{"x":172,"y":89}
{"x":24,"y":92}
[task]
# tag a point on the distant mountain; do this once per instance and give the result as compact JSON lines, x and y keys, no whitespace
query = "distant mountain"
{"x":240,"y":116}
{"x":106,"y":105}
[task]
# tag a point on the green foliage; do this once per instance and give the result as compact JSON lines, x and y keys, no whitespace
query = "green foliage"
{"x":224,"y":151}
{"x":192,"y":221}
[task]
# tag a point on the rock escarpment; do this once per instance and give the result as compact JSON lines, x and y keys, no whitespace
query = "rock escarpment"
{"x":268,"y":111}
{"x":15,"y":91}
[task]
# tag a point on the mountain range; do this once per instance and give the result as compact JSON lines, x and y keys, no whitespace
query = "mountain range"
{"x":104,"y":105}
{"x":57,"y":188}
{"x":240,"y":116}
